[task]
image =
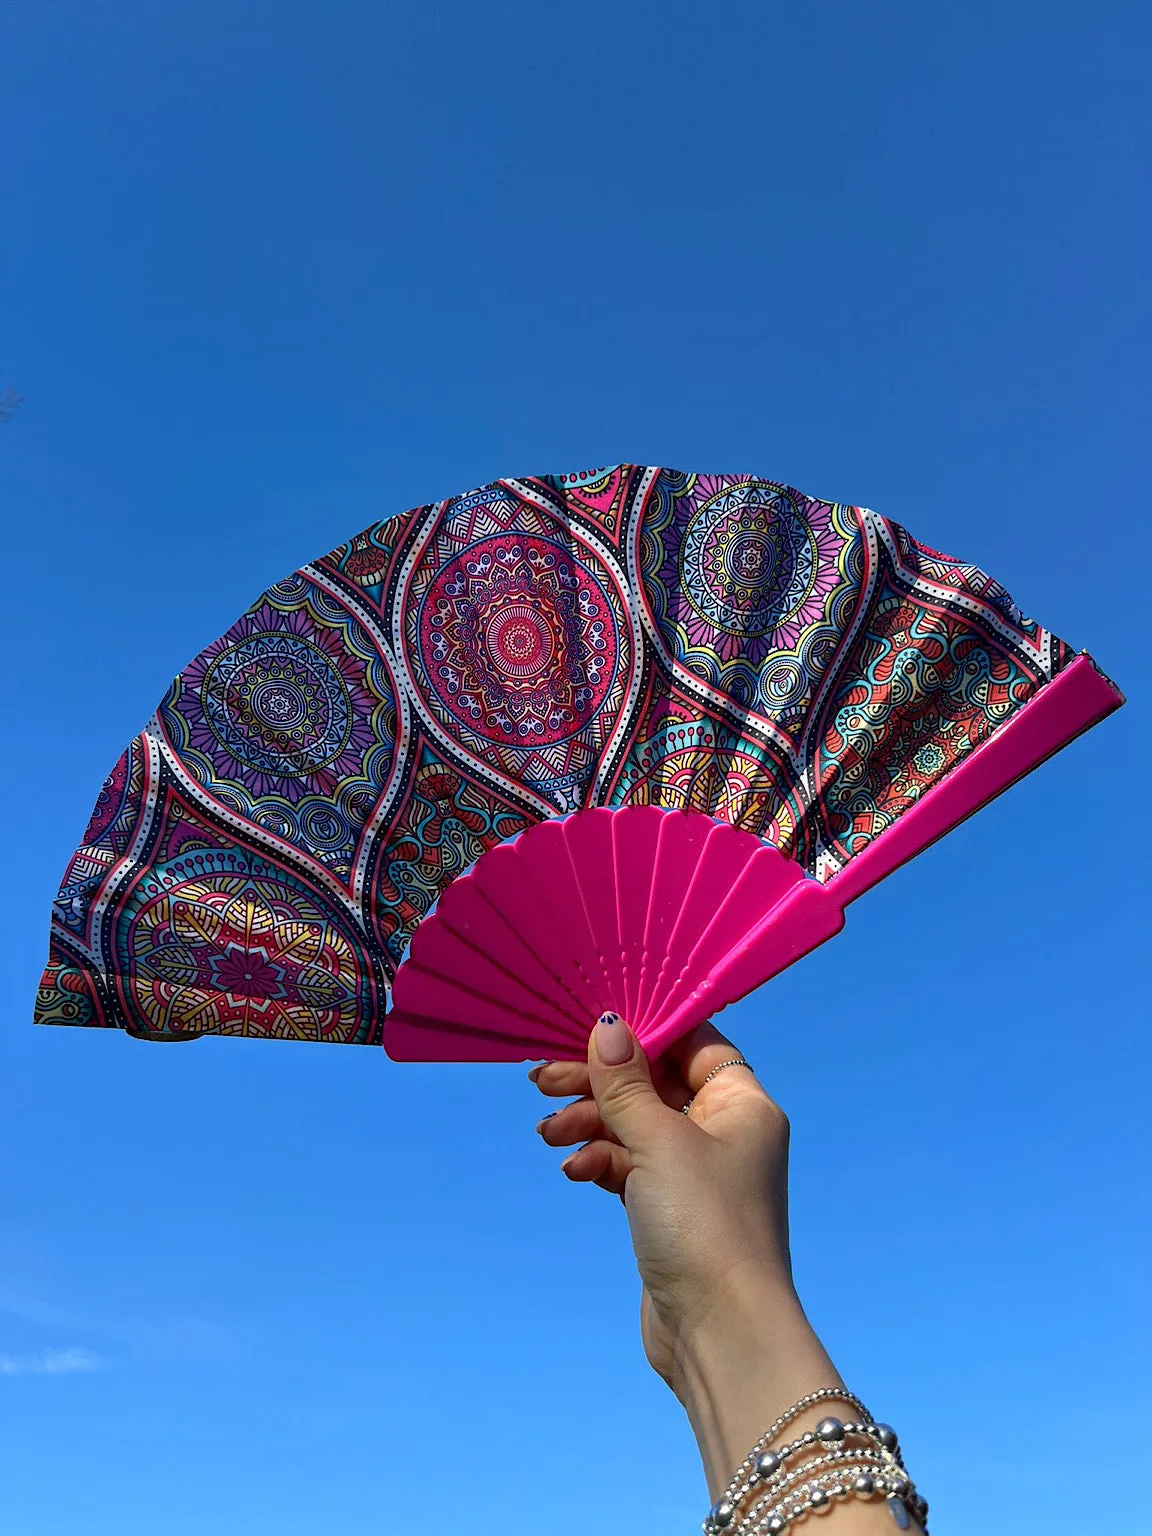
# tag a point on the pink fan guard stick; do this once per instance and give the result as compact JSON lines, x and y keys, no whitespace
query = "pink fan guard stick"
{"x":635,"y":886}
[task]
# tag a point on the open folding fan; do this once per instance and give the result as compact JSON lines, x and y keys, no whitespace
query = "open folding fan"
{"x":626,"y":739}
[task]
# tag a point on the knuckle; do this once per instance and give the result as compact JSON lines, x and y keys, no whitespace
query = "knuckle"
{"x":558,"y":1077}
{"x":573,"y":1122}
{"x":622,"y":1096}
{"x":774,"y":1117}
{"x":762,"y":1111}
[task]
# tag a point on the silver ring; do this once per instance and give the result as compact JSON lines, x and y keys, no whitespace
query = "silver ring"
{"x":737,"y":1061}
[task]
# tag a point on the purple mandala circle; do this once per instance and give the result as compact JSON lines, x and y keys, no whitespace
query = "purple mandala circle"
{"x":293,"y":702}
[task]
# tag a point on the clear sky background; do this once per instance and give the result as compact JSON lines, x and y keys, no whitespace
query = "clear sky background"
{"x":272,"y":271}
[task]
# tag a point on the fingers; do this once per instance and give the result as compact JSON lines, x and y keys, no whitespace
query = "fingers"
{"x":604,"y":1163}
{"x":575,"y":1122}
{"x":702,"y":1051}
{"x":690,"y":1059}
{"x":726,"y":1102}
{"x":562,"y":1079}
{"x":697,"y":1053}
{"x":571,"y":1079}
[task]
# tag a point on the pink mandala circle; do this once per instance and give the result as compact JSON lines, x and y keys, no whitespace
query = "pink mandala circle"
{"x":518,"y":641}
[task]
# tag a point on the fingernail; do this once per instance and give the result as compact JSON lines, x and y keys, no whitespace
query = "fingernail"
{"x":540,"y":1126}
{"x":536,"y":1071}
{"x":613,"y":1044}
{"x":567,"y":1161}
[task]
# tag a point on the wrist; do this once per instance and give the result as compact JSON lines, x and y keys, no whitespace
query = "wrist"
{"x":741,"y":1363}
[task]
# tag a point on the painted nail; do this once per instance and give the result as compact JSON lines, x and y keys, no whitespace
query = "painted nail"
{"x":540,"y":1126}
{"x":613,"y":1043}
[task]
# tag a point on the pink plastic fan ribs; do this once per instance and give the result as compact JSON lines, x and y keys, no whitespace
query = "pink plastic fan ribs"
{"x":662,"y":916}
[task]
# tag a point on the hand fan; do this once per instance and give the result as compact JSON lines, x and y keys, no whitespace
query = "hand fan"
{"x":630,"y":738}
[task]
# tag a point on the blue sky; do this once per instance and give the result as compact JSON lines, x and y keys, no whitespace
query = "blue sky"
{"x":272,"y":272}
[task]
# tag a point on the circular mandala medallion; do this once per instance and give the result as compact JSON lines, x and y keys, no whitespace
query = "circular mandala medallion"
{"x":520,"y":641}
{"x":750,"y":560}
{"x":517,"y":641}
{"x":276,"y":703}
{"x":213,"y":946}
{"x":747,"y":583}
{"x":289,"y":720}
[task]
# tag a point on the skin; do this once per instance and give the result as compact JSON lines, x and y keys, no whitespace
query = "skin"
{"x":706,"y":1196}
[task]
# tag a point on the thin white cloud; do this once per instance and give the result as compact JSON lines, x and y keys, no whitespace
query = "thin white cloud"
{"x":154,"y":1339}
{"x":51,"y":1362}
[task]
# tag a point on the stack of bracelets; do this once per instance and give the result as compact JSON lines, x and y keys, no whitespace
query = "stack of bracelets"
{"x":775,"y":1486}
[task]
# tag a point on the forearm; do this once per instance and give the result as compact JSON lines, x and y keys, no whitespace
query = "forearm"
{"x":752,"y":1358}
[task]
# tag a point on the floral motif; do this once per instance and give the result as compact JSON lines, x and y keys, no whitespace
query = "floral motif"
{"x":225,"y":945}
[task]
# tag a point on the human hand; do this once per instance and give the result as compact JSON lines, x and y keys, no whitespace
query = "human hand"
{"x":706,"y":1196}
{"x":705,"y":1193}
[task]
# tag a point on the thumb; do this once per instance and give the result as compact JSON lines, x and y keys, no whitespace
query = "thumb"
{"x":621,"y":1080}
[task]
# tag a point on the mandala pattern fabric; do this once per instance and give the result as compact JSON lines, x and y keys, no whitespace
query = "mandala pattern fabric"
{"x":260,"y":856}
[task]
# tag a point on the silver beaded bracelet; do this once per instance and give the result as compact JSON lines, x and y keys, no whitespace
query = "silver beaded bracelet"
{"x":866,"y":1471}
{"x":876,"y":1467}
{"x":738,"y":1487}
